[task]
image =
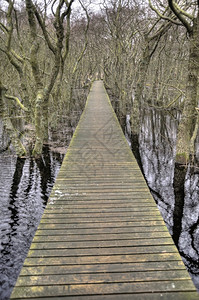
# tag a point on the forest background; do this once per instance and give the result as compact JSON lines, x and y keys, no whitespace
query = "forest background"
{"x":147,"y":53}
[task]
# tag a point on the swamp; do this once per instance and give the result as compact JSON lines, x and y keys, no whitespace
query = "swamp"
{"x":146,"y":53}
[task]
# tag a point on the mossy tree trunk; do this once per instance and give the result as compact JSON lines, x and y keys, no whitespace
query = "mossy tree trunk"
{"x":12,"y":132}
{"x":43,"y":90}
{"x":189,"y":114}
{"x":190,"y":20}
{"x":18,"y":63}
{"x":39,"y":127}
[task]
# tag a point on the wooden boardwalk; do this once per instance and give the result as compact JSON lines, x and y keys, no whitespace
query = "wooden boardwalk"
{"x":101,"y":235}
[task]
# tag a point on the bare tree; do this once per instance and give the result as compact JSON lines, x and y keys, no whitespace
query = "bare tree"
{"x":37,"y":75}
{"x":187,"y":15}
{"x":63,"y":10}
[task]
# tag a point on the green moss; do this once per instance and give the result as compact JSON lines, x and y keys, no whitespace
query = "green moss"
{"x":182,"y":158}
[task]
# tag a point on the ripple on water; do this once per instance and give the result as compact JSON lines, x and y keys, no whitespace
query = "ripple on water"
{"x":23,"y":194}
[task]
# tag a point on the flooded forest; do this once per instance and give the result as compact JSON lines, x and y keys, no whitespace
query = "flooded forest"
{"x":146,"y":53}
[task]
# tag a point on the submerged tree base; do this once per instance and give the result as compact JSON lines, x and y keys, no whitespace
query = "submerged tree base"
{"x":178,"y":184}
{"x":182,"y":158}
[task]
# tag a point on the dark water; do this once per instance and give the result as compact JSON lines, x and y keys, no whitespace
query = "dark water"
{"x":25,"y":185}
{"x":175,"y":189}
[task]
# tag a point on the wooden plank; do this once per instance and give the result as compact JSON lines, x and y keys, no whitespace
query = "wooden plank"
{"x":56,"y":194}
{"x":93,"y":278}
{"x":109,"y":259}
{"x":109,"y":191}
{"x":135,"y":296}
{"x":101,"y":244}
{"x":99,"y":180}
{"x":69,"y":211}
{"x":75,"y":204}
{"x":102,"y":230}
{"x":104,"y":268}
{"x":102,"y":219}
{"x":101,"y":237}
{"x":103,"y":289}
{"x":92,"y":225}
{"x":102,"y":251}
{"x":136,"y":181}
{"x":99,"y":215}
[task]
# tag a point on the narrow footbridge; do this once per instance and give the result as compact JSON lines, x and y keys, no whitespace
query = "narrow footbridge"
{"x":101,"y":235}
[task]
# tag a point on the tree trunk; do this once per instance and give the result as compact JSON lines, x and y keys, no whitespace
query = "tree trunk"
{"x":39,"y":124}
{"x":12,"y":132}
{"x":135,"y":113}
{"x":189,"y":114}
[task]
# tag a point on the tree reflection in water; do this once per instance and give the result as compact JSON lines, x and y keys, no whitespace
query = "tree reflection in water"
{"x":175,"y":188}
{"x":25,"y":185}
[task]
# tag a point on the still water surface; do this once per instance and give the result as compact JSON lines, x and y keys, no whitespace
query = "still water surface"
{"x":25,"y":185}
{"x":175,"y":189}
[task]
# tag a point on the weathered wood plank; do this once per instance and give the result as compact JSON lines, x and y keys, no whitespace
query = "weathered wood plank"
{"x":77,"y":196}
{"x":96,"y":211}
{"x":96,"y":205}
{"x":104,"y":278}
{"x":71,"y":220}
{"x":109,"y":259}
{"x":101,"y":237}
{"x":103,"y":289}
{"x":104,"y":268}
{"x":75,"y":203}
{"x":99,"y":230}
{"x":99,"y":215}
{"x":101,"y":244}
{"x":102,"y":251}
{"x":137,"y":224}
{"x":63,"y":210}
{"x":141,"y":296}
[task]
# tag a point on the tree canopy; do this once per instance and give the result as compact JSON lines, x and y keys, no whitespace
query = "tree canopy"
{"x":146,"y":53}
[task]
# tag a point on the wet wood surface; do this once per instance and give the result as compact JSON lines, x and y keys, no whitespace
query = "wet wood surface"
{"x":101,"y":235}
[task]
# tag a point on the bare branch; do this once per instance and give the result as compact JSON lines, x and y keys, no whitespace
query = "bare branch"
{"x":186,"y":14}
{"x":68,"y":10}
{"x":180,"y":16}
{"x":43,"y":28}
{"x":17,"y":101}
{"x":86,"y":38}
{"x":17,"y":56}
{"x":161,"y":15}
{"x":67,"y":38}
{"x":3,"y":28}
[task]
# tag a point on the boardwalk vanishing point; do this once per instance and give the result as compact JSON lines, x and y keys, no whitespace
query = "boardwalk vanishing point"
{"x":101,"y":235}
